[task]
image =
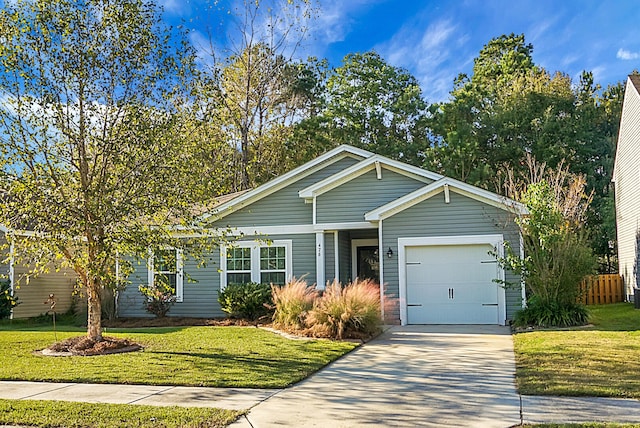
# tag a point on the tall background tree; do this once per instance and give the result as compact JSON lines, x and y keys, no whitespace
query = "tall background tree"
{"x":253,"y":87}
{"x":369,"y":103}
{"x":510,"y":108}
{"x":92,"y":137}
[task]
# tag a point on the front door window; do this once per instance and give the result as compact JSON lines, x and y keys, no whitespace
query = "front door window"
{"x":368,"y":263}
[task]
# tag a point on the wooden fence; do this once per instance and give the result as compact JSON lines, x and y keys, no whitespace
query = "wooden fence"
{"x":602,"y":289}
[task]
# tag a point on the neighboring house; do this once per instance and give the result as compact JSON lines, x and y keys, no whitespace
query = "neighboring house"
{"x":34,"y":292}
{"x":350,"y":213}
{"x":626,"y":177}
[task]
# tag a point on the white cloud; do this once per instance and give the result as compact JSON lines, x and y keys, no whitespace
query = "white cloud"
{"x":428,"y":53}
{"x":175,"y":7}
{"x":626,"y":55}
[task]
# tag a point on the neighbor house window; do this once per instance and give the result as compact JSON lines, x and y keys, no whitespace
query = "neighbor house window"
{"x":166,"y":267}
{"x":251,"y":262}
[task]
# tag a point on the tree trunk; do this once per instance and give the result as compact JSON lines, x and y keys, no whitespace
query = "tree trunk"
{"x":94,"y":310}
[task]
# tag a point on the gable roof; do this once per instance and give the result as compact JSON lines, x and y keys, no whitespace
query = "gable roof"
{"x":444,"y":185}
{"x":368,"y":164}
{"x":284,"y":180}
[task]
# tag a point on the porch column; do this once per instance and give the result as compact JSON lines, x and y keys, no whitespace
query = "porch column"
{"x":320,"y":278}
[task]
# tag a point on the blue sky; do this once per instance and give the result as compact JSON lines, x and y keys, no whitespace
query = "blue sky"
{"x":438,"y":39}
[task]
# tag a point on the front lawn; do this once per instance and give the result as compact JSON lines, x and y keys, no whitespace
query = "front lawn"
{"x":95,"y":415}
{"x":192,"y":356}
{"x":595,"y":361}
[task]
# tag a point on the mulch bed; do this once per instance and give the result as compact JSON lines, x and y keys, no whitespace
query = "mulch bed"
{"x":178,"y":322}
{"x":83,"y":346}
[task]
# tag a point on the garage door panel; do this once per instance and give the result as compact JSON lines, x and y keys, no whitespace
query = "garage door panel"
{"x":451,"y":285}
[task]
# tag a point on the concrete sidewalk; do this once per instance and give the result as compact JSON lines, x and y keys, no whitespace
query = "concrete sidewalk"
{"x":152,"y":395}
{"x":535,"y":409}
{"x":455,"y":376}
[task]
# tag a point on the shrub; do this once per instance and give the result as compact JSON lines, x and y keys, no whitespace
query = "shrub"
{"x":551,"y":314}
{"x":251,"y":300}
{"x":352,"y":311}
{"x":292,"y":303}
{"x":7,"y":301}
{"x":160,"y":298}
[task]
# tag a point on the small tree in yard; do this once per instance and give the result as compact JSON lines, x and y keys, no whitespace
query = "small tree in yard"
{"x":92,"y":152}
{"x":557,"y":252}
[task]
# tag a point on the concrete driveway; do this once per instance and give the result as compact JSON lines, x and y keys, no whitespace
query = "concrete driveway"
{"x":409,"y":376}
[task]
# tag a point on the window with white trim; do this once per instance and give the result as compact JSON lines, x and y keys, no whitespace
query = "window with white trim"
{"x":255,"y":262}
{"x":166,"y":267}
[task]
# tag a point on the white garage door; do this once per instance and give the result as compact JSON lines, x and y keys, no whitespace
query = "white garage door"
{"x":451,"y":284}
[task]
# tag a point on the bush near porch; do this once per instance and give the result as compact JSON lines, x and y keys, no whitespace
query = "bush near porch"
{"x":599,"y":360}
{"x":352,"y":311}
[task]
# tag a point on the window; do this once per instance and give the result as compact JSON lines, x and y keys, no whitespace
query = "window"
{"x":253,"y":262}
{"x":239,"y":265}
{"x":273,"y":265}
{"x":166,"y":267}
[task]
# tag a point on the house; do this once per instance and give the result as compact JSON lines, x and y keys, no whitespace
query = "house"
{"x":428,"y":239}
{"x":626,"y":178}
{"x":33,"y":292}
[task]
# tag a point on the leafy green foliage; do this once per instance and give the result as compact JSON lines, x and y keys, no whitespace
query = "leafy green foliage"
{"x":551,"y":314}
{"x":509,"y":108}
{"x":292,"y":303}
{"x":372,"y":105}
{"x":101,"y":415}
{"x":94,"y":145}
{"x":558,"y":256}
{"x":159,"y":298}
{"x":7,"y":301}
{"x":250,"y":301}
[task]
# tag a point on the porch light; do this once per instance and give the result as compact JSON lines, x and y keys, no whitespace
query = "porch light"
{"x":390,"y":253}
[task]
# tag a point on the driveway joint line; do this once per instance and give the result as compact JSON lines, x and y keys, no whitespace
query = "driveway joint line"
{"x":151,"y":395}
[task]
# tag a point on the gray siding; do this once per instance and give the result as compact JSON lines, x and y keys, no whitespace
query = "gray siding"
{"x":350,"y":201}
{"x":329,"y":257}
{"x":344,"y":254}
{"x":200,"y":291}
{"x":627,"y":185}
{"x":462,"y":216}
{"x":283,"y":207}
{"x":202,"y":284}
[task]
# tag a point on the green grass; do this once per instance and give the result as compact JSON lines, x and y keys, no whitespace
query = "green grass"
{"x":70,"y":415}
{"x":195,"y":356}
{"x":584,"y":425}
{"x":602,"y":360}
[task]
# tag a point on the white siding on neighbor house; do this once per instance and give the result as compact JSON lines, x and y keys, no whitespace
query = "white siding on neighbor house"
{"x":627,"y":186}
{"x":431,"y":218}
{"x":35,"y":292}
{"x":284,"y":207}
{"x":350,"y":201}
